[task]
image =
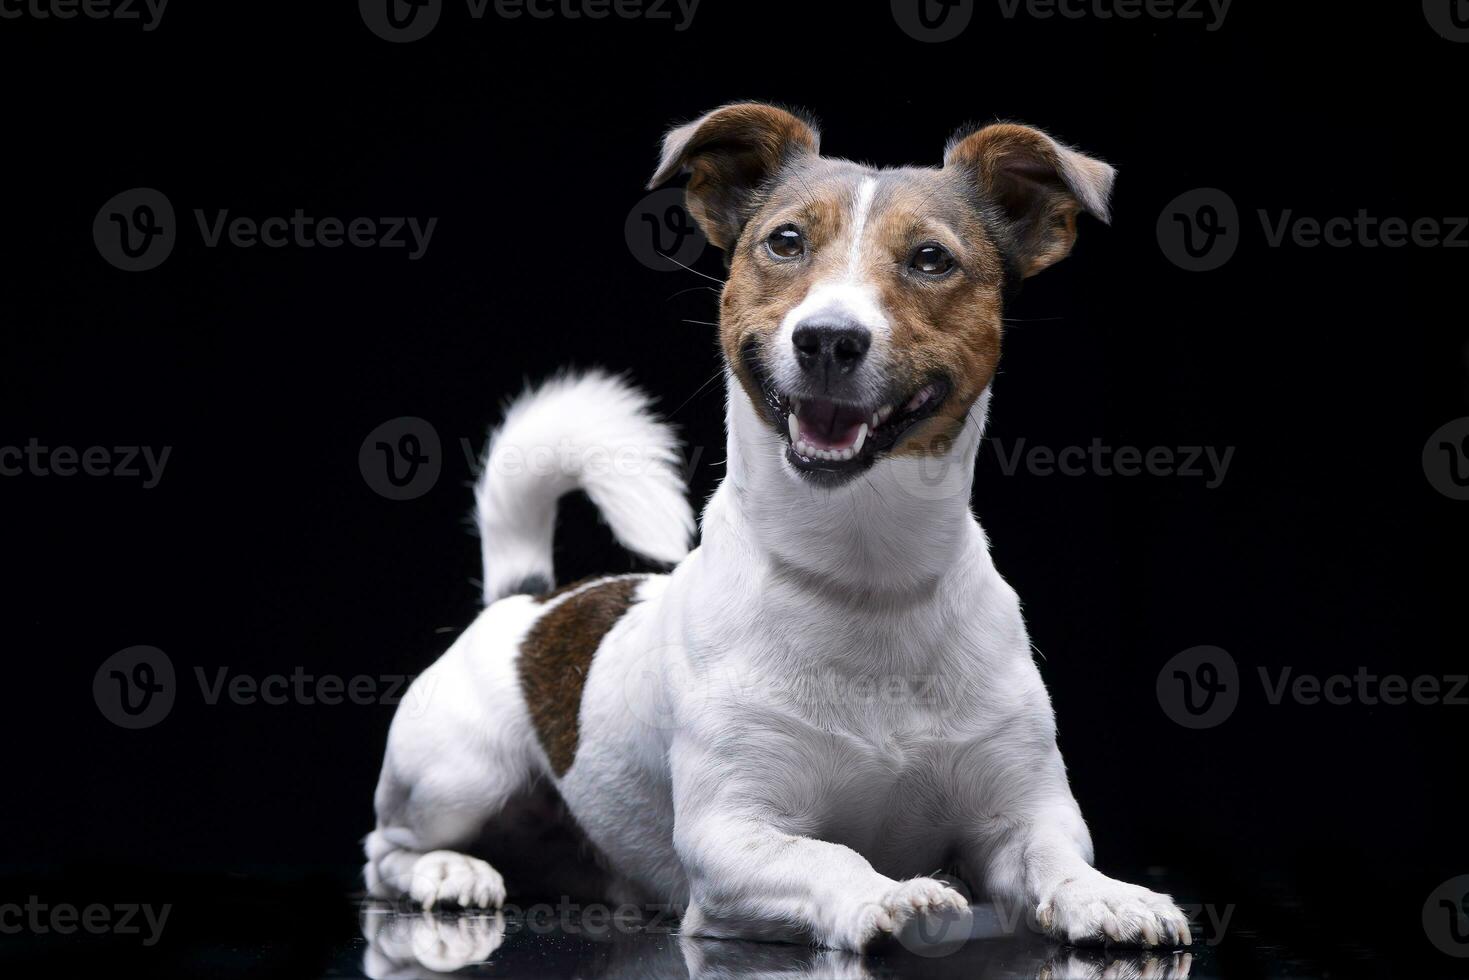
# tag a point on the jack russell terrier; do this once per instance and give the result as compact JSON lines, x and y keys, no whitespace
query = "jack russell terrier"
{"x":832,"y":697}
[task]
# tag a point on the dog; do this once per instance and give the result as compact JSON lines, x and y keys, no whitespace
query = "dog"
{"x":832,"y":698}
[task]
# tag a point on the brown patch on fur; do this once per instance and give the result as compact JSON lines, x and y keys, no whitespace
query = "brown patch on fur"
{"x":729,"y":154}
{"x":571,"y":587}
{"x":556,"y":655}
{"x":952,"y":326}
{"x":1040,"y":185}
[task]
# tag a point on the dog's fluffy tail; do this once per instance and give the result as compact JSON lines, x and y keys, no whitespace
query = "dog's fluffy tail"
{"x":593,"y":432}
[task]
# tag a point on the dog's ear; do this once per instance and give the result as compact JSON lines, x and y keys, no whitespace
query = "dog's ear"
{"x":1038,"y":187}
{"x":731,"y":153}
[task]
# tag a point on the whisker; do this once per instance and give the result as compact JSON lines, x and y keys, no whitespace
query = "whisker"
{"x":697,"y":390}
{"x":692,"y":269}
{"x":691,"y":289}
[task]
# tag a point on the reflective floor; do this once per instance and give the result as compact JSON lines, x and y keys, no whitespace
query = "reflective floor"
{"x":554,"y":944}
{"x":239,"y":926}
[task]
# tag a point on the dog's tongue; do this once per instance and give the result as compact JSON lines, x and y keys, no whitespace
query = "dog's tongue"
{"x":827,"y":425}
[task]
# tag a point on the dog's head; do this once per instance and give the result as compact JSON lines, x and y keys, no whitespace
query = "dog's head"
{"x":862,"y":314}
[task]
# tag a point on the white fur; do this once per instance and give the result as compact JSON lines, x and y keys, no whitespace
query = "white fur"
{"x":593,"y":432}
{"x":733,"y":762}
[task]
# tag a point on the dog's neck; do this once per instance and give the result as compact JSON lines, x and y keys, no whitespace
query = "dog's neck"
{"x":898,"y":528}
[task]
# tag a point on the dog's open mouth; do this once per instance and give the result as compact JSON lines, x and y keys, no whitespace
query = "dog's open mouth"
{"x":825,"y":435}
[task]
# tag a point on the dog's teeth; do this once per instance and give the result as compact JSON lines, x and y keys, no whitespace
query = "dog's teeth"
{"x":918,"y":400}
{"x":795,"y":427}
{"x":881,"y":415}
{"x":861,"y":438}
{"x":795,"y":406}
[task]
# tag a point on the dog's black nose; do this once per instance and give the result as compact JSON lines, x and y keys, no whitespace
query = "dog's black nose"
{"x":826,"y":348}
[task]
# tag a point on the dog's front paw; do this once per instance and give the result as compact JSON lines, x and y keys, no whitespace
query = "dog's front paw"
{"x":1098,"y":910}
{"x":887,"y":915}
{"x":451,"y":878}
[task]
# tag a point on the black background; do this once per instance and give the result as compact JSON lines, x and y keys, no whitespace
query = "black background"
{"x":264,"y":549}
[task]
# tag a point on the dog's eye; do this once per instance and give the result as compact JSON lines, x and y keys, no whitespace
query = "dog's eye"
{"x":786,"y":242}
{"x":932,"y":260}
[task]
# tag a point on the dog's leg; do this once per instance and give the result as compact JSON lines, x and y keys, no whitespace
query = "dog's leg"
{"x":748,"y":878}
{"x":460,"y":748}
{"x":1041,"y":868}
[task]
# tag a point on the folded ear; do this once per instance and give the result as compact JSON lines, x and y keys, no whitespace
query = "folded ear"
{"x":730,"y":154}
{"x":1037,"y":184}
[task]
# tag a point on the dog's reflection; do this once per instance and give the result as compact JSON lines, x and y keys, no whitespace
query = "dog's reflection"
{"x":403,"y":944}
{"x":1074,"y":964}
